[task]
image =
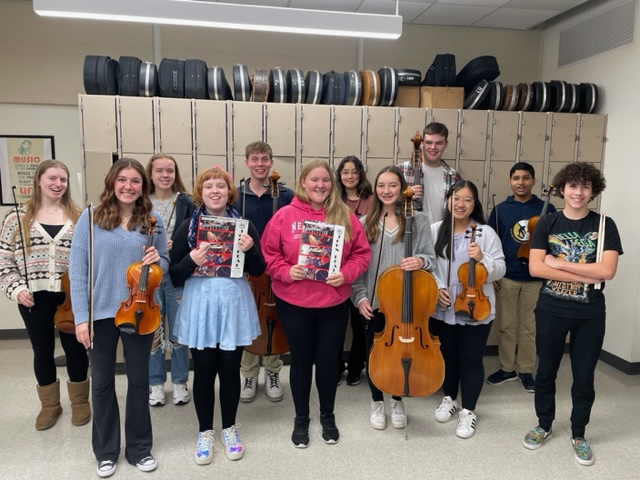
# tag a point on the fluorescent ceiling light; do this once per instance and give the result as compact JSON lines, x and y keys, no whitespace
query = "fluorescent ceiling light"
{"x":225,"y":15}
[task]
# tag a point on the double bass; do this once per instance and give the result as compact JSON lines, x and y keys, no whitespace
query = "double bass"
{"x":471,"y":303}
{"x":524,"y":248}
{"x":271,"y":340}
{"x":405,"y":359}
{"x":140,"y":314}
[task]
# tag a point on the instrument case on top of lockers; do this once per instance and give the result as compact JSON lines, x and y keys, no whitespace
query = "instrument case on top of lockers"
{"x":148,"y":80}
{"x":442,"y":72}
{"x":171,"y":78}
{"x":100,"y":75}
{"x":480,"y":68}
{"x":128,"y":76}
{"x":217,"y":85}
{"x":296,"y":92}
{"x":195,"y":79}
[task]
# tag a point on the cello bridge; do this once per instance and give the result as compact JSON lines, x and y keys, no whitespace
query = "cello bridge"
{"x":406,"y":339}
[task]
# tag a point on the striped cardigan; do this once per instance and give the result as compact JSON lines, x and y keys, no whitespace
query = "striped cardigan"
{"x":47,"y":258}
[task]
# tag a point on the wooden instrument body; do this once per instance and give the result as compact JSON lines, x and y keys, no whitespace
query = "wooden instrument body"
{"x":271,"y":340}
{"x":63,"y":318}
{"x":471,"y":302}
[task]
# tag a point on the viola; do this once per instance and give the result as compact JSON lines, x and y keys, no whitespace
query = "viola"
{"x":416,"y":164}
{"x":140,"y":314}
{"x":524,"y":248}
{"x":471,"y":303}
{"x":405,"y":359}
{"x":63,"y":318}
{"x":271,"y":340}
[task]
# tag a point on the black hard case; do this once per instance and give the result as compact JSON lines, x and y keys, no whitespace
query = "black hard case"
{"x":195,"y":79}
{"x":100,"y":75}
{"x":171,"y":78}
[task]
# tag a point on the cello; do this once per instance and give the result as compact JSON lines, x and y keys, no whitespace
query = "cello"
{"x":524,"y":248}
{"x":271,"y":340}
{"x":405,"y":359}
{"x":471,"y":303}
{"x":416,"y":165}
{"x":63,"y":318}
{"x":140,"y":314}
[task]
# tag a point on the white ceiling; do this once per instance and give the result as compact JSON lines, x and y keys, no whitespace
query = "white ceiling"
{"x":516,"y":14}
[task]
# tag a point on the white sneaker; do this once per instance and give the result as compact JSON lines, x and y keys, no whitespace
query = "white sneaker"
{"x":446,"y":409}
{"x":398,"y":417}
{"x":249,"y":389}
{"x":377,"y":417}
{"x":156,"y":395}
{"x":272,"y":386}
{"x":180,"y":394}
{"x":204,"y":448}
{"x":466,"y":424}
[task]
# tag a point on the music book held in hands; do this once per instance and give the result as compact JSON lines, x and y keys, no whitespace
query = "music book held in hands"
{"x":320,"y":249}
{"x":224,"y":257}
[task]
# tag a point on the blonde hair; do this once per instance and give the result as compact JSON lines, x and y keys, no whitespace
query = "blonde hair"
{"x":71,"y":210}
{"x":214,"y":173}
{"x":336,"y":211}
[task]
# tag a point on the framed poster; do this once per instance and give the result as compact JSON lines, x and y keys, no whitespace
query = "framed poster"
{"x":20,"y":155}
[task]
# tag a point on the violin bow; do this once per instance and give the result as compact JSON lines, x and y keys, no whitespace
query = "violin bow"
{"x":24,"y":249}
{"x":375,"y":281}
{"x":173,"y":210}
{"x":600,"y":248}
{"x":90,"y":213}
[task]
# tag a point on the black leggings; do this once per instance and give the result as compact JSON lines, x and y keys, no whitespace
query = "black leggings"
{"x":38,"y":321}
{"x":315,"y":336}
{"x":356,"y":360}
{"x":462,"y":347}
{"x":207,"y":364}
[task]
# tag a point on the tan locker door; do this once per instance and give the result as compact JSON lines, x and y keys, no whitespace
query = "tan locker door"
{"x":175,"y":121}
{"x":137,"y":125}
{"x":280,"y":128}
{"x":347,"y":132}
{"x":374,"y":165}
{"x":185,"y":165}
{"x":474,"y":170}
{"x":210,"y":127}
{"x":533,"y":141}
{"x":504,"y":136}
{"x":473,"y":137}
{"x":315,"y":131}
{"x":591,"y":138}
{"x":409,"y":121}
{"x":98,"y":119}
{"x":498,"y":183}
{"x":207,"y":161}
{"x":96,"y":168}
{"x":563,"y":137}
{"x":450,"y":118}
{"x":380,"y":136}
{"x":555,"y":167}
{"x":247,"y":128}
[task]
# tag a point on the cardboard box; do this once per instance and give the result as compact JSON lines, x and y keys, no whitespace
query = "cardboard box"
{"x":441,"y":97}
{"x":408,"y":96}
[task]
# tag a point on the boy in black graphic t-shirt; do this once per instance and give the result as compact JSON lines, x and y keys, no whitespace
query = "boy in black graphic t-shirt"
{"x":564,"y":253}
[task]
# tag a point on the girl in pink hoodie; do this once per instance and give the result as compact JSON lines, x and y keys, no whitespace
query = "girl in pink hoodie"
{"x":314,"y":314}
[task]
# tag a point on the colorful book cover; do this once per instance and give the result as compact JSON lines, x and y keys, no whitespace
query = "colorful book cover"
{"x":320,"y":249}
{"x":224,"y":257}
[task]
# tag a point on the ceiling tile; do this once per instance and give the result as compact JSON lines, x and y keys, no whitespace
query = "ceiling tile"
{"x":517,"y":18}
{"x":408,"y":10}
{"x":335,"y":5}
{"x":453,"y":15}
{"x":262,"y":3}
{"x":476,"y":3}
{"x":557,"y":5}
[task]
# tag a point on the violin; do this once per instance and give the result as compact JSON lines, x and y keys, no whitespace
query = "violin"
{"x":524,"y":248}
{"x":140,"y":314}
{"x":271,"y":340}
{"x":416,"y":164}
{"x":471,"y":303}
{"x":405,"y":359}
{"x":63,"y":318}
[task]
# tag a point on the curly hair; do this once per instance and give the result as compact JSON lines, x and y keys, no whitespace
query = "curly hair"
{"x":580,"y":172}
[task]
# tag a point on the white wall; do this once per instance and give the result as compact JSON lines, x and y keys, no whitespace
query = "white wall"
{"x":616,"y":74}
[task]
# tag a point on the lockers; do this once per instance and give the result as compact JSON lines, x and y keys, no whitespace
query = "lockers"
{"x":483,"y":145}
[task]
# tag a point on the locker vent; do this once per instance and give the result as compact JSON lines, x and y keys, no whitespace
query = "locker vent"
{"x":603,"y":32}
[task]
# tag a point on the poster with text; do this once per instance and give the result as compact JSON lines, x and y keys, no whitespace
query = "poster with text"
{"x":19,"y":159}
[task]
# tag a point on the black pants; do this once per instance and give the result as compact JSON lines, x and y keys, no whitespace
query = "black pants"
{"x":207,"y":364}
{"x":38,"y":321}
{"x":462,"y":348}
{"x":357,"y":352}
{"x":373,"y":326}
{"x":314,"y":336}
{"x":585,"y":344}
{"x":106,"y":413}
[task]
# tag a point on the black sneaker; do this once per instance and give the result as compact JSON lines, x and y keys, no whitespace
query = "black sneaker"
{"x":300,"y":436}
{"x":501,"y":376}
{"x":330,"y":433}
{"x":528,"y":383}
{"x":354,"y":378}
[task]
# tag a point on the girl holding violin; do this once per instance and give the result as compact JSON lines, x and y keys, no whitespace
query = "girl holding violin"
{"x":357,"y":193}
{"x":217,"y":316}
{"x":314,"y":314}
{"x":120,"y":237}
{"x":42,"y":229}
{"x":464,"y":240}
{"x":385,"y":232}
{"x":168,"y":197}
{"x":574,"y":251}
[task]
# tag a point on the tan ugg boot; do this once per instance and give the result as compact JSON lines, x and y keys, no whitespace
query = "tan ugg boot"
{"x":79,"y":397}
{"x":51,"y":409}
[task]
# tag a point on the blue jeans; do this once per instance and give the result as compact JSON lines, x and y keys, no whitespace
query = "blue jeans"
{"x":170,"y":297}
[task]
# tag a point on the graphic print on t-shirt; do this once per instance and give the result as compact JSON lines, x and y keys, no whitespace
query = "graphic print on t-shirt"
{"x":571,"y":247}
